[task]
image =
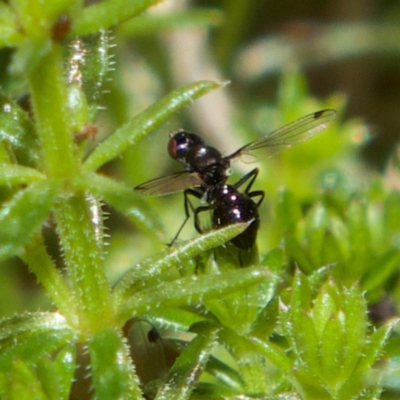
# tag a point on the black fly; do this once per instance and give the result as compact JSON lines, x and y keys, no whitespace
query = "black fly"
{"x":206,"y":173}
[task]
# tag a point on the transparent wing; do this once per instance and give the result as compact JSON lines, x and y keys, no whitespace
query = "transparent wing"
{"x":169,"y":184}
{"x":289,"y":135}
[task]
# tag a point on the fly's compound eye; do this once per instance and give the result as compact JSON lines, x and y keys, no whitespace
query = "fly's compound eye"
{"x":181,"y":142}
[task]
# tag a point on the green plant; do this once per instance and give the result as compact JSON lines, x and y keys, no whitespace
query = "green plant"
{"x":258,"y":331}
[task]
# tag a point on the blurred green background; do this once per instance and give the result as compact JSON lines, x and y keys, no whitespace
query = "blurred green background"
{"x":283,"y":59}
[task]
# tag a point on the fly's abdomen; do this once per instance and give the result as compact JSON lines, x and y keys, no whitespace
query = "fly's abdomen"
{"x":234,"y":208}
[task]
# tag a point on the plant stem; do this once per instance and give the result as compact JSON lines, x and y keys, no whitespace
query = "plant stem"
{"x":80,"y":231}
{"x":81,"y":237}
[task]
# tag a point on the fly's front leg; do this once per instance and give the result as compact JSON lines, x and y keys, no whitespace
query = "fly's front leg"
{"x":187,"y":203}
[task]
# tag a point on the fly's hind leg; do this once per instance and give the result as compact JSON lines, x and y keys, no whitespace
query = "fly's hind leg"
{"x":197,"y":211}
{"x":252,"y":175}
{"x":257,"y":193}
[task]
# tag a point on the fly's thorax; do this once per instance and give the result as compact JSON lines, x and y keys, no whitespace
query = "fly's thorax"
{"x":201,"y":157}
{"x":209,"y":164}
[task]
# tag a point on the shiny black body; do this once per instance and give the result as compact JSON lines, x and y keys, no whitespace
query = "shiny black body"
{"x":227,"y":204}
{"x":207,"y":171}
{"x":196,"y":156}
{"x":231,"y":207}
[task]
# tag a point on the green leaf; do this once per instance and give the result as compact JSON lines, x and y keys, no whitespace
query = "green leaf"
{"x":332,"y":351}
{"x":305,"y":339}
{"x":319,"y":277}
{"x":145,"y":25}
{"x":111,"y":367}
{"x":24,"y":384}
{"x":189,"y":291}
{"x":13,"y":174}
{"x":309,"y":386}
{"x":24,"y":214}
{"x":289,"y":212}
{"x":107,"y":14}
{"x":41,"y":264}
{"x":352,"y":387}
{"x":250,"y":363}
{"x":30,"y":336}
{"x":186,"y":370}
{"x":64,"y":369}
{"x":126,"y":201}
{"x":302,"y":332}
{"x":17,"y":132}
{"x":298,"y":253}
{"x":29,"y":54}
{"x":6,"y":155}
{"x":381,"y":270}
{"x":273,"y":260}
{"x":391,"y":212}
{"x":165,"y":266}
{"x":89,"y":66}
{"x":49,"y":97}
{"x":301,"y":297}
{"x":324,"y":309}
{"x":240,"y":310}
{"x":359,"y":238}
{"x":273,"y":353}
{"x":374,"y":347}
{"x":57,"y":375}
{"x":225,"y":374}
{"x":212,"y":391}
{"x":35,"y":17}
{"x":316,"y":225}
{"x":265,"y":323}
{"x":145,"y":122}
{"x":77,"y":103}
{"x":10,"y":35}
{"x":174,"y":319}
{"x":333,"y":255}
{"x":337,"y":246}
{"x":355,"y":310}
